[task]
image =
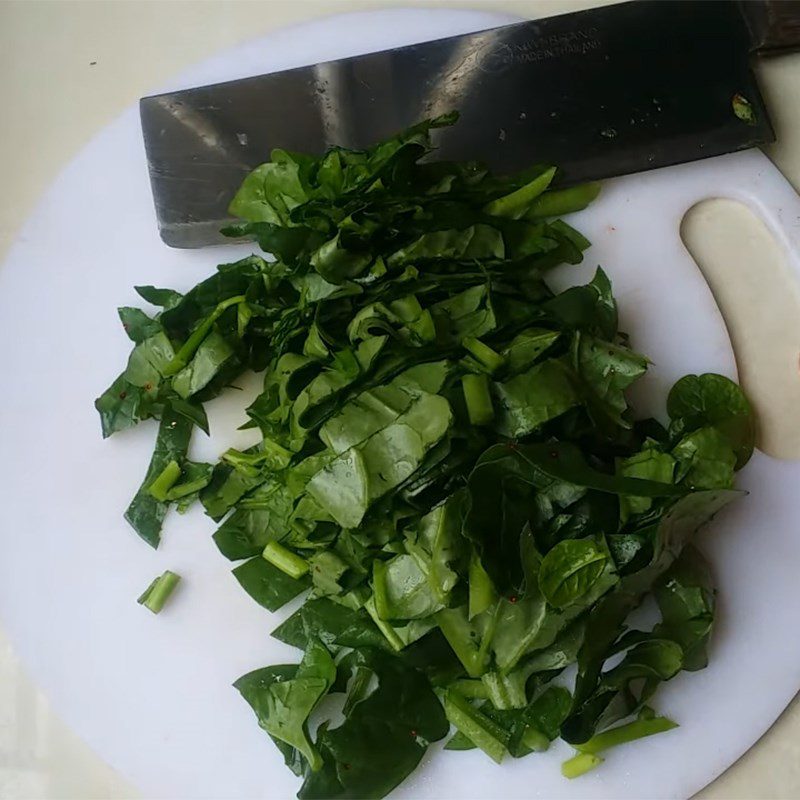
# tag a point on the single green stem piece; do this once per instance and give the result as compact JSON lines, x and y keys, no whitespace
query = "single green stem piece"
{"x":638,"y":729}
{"x":476,"y":726}
{"x":488,"y":358}
{"x":384,"y":627}
{"x":158,"y":592}
{"x":535,"y":740}
{"x":477,"y":399}
{"x":580,"y":764}
{"x":189,"y":347}
{"x":166,"y":479}
{"x":184,"y":489}
{"x":470,"y":688}
{"x":285,"y":560}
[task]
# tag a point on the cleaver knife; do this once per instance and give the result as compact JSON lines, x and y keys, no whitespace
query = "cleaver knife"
{"x":599,"y":93}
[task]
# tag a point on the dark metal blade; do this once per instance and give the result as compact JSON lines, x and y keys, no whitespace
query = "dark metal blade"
{"x":602,"y":92}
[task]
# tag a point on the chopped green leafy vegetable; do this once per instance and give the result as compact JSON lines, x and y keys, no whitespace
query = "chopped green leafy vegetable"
{"x":448,"y":466}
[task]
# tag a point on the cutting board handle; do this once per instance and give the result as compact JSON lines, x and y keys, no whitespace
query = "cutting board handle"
{"x":774,"y":25}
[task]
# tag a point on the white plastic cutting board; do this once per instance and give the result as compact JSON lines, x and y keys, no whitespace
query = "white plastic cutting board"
{"x":152,"y":695}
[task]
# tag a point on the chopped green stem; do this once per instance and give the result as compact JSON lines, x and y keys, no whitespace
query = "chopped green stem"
{"x":385,"y":628}
{"x":638,"y":729}
{"x":184,"y":489}
{"x":461,"y":636}
{"x":478,"y":399}
{"x":166,"y":479}
{"x":470,"y":688}
{"x":189,"y":347}
{"x":285,"y":560}
{"x":158,"y":592}
{"x":580,"y":764}
{"x":476,"y":726}
{"x":486,"y":357}
{"x":505,"y":692}
{"x":535,"y":740}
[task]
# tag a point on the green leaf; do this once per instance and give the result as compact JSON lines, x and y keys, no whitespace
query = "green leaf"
{"x":648,"y":464}
{"x":524,"y":403}
{"x":468,"y":313}
{"x":606,"y":371}
{"x":333,"y":624}
{"x":166,"y":298}
{"x":384,"y":735}
{"x":138,"y":326}
{"x":605,"y":622}
{"x":284,"y":705}
{"x":526,"y":347}
{"x":352,"y":482}
{"x":570,"y":569}
{"x":145,"y":513}
{"x":476,"y":242}
{"x":123,"y":405}
{"x":705,"y":459}
{"x":686,"y":599}
{"x":512,"y":484}
{"x":193,"y":411}
{"x":209,"y":358}
{"x":589,"y":308}
{"x":519,"y":202}
{"x":267,"y":585}
{"x":555,"y":202}
{"x":402,"y":589}
{"x":269,"y":193}
{"x":698,"y":401}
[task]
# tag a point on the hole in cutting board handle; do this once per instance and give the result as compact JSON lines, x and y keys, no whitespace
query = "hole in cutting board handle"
{"x":758,"y":295}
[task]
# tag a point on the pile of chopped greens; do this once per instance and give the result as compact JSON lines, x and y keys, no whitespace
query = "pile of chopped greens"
{"x":448,"y":466}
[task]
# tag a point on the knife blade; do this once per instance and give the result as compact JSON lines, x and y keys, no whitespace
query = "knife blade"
{"x":602,"y":92}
